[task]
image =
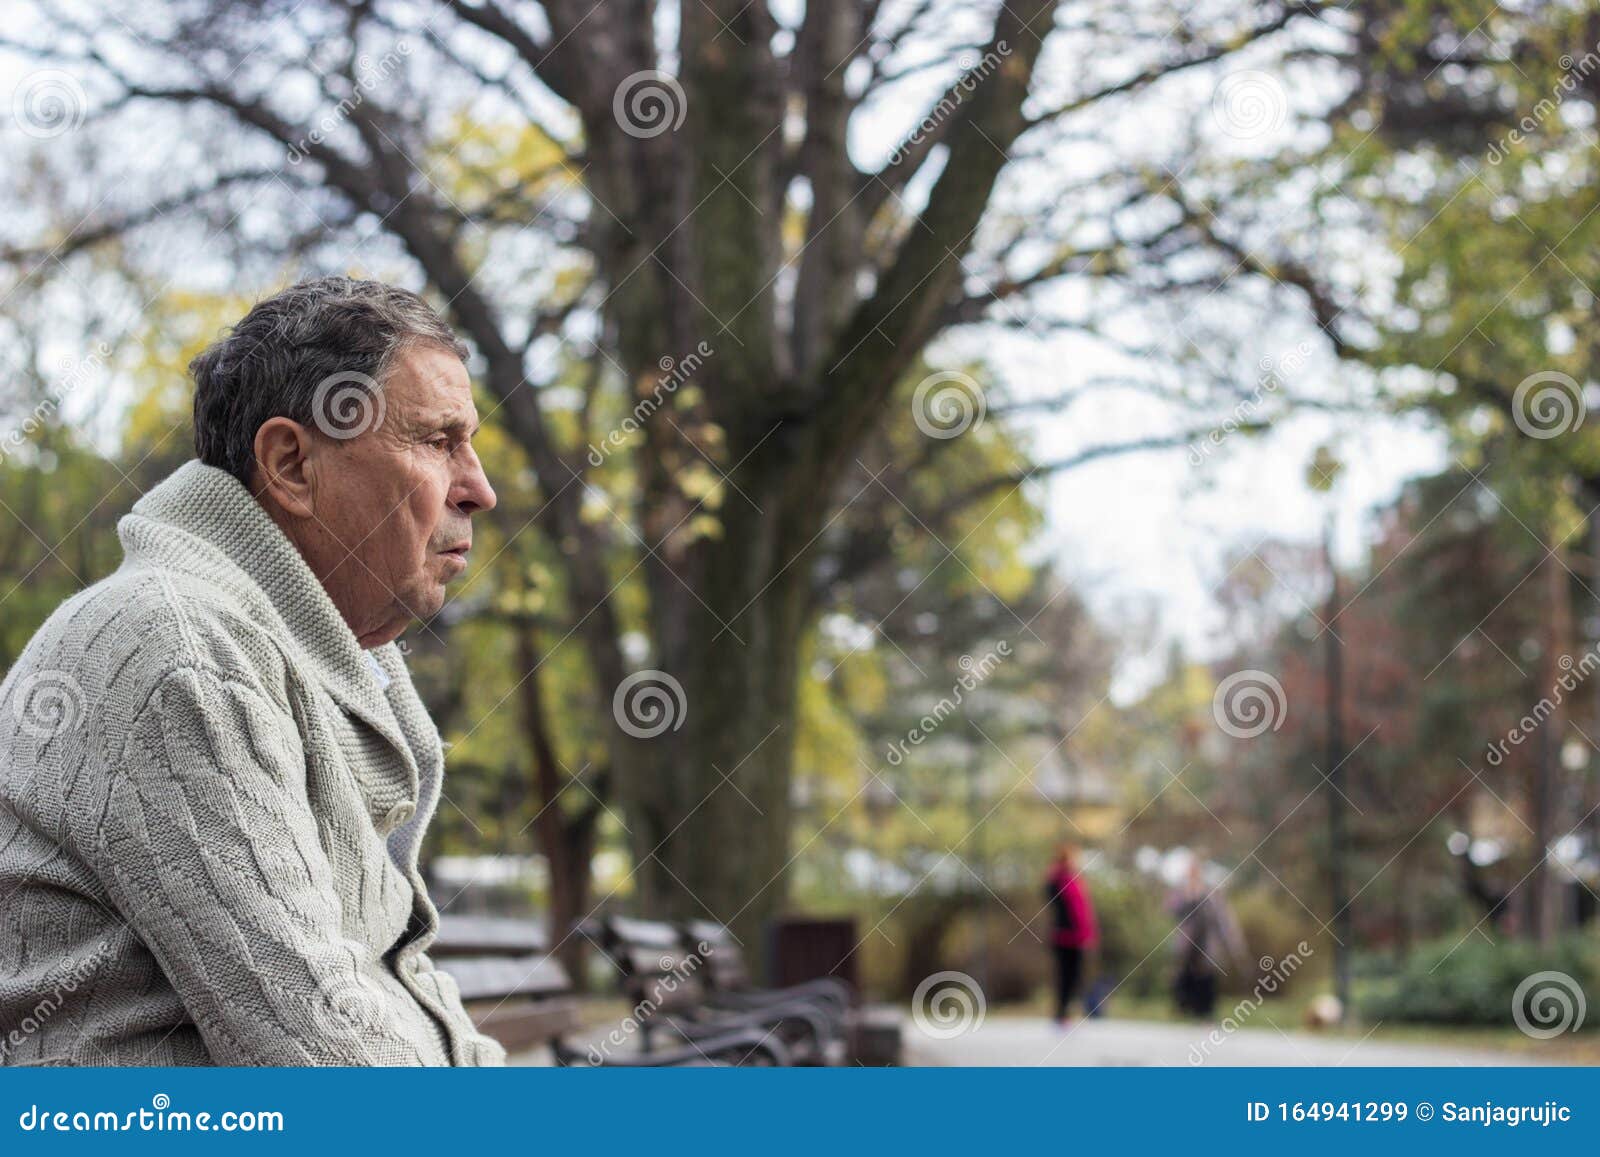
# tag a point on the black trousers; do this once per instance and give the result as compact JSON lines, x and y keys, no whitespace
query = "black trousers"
{"x":1069,"y":964}
{"x":1196,"y":992}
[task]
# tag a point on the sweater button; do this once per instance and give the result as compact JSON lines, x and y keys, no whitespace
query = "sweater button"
{"x":399,"y":814}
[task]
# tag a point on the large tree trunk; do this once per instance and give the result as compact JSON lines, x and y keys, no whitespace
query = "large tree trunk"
{"x":709,"y":800}
{"x":709,"y":796}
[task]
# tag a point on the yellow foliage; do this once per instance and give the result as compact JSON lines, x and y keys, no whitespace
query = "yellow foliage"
{"x":175,"y":326}
{"x":478,"y":161}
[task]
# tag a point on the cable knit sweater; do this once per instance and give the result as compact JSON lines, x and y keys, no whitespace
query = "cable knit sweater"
{"x":211,"y":800}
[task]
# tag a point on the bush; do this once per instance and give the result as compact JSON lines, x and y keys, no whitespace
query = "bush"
{"x":1475,"y":981}
{"x":1274,"y":927}
{"x":1014,"y":965}
{"x":1132,"y":926}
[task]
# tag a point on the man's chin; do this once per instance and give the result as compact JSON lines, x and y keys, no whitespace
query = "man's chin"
{"x":425,"y":600}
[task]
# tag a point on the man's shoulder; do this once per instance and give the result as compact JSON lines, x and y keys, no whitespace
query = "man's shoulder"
{"x":117,"y":640}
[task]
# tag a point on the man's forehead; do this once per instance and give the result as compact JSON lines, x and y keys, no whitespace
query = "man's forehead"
{"x":430,"y":387}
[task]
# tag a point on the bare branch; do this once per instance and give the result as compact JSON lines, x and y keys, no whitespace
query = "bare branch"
{"x":871,"y":547}
{"x":889,"y":329}
{"x":555,"y":68}
{"x":1284,"y":270}
{"x":86,"y":235}
{"x":1208,"y":54}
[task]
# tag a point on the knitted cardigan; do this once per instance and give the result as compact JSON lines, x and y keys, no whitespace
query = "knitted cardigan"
{"x":211,"y":800}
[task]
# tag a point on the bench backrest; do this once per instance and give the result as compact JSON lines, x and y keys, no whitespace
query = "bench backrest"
{"x":654,"y":963}
{"x":725,"y":968}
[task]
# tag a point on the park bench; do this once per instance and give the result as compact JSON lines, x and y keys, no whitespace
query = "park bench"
{"x":872,"y":1032}
{"x":664,"y":980}
{"x":522,"y":997}
{"x":728,"y":978}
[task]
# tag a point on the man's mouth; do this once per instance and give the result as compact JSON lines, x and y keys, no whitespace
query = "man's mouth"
{"x":458,"y":551}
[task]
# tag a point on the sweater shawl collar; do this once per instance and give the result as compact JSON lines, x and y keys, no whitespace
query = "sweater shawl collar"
{"x":202,"y":521}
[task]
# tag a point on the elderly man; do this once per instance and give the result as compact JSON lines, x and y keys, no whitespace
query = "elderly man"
{"x":214,"y":769}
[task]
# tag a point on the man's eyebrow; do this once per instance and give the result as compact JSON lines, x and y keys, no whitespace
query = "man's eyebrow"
{"x":450,"y":425}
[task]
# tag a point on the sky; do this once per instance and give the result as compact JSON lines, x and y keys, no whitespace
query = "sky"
{"x":1142,"y":538}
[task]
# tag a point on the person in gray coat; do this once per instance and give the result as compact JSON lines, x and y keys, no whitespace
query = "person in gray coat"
{"x":1206,"y":941}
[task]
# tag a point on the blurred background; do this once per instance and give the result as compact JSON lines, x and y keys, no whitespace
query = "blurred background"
{"x":926,"y":433}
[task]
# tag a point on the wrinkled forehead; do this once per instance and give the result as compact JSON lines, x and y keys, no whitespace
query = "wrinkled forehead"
{"x":427,"y":387}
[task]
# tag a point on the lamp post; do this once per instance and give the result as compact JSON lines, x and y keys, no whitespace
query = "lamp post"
{"x":1334,"y":671}
{"x":979,"y":856}
{"x":1323,"y":476}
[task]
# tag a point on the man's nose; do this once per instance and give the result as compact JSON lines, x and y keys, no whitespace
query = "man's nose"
{"x":472,"y":491}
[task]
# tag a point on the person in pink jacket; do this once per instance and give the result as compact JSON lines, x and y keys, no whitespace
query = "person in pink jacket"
{"x":1075,"y":928}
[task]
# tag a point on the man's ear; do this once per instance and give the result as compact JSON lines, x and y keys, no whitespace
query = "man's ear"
{"x":283,"y":449}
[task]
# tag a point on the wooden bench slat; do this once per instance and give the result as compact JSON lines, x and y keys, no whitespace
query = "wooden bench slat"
{"x":487,"y":936}
{"x":521,"y":1025}
{"x":483,"y":977}
{"x":645,"y":933}
{"x":714,"y":934}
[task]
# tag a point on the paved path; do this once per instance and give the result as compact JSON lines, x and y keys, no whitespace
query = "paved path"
{"x":1011,"y":1041}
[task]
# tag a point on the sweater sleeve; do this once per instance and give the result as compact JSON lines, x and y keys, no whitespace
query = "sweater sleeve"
{"x":209,"y":846}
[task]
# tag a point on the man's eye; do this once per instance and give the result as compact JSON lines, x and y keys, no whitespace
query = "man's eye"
{"x":440,"y":443}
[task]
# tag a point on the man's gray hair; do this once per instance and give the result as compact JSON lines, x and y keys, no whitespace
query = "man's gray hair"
{"x":302,"y":351}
